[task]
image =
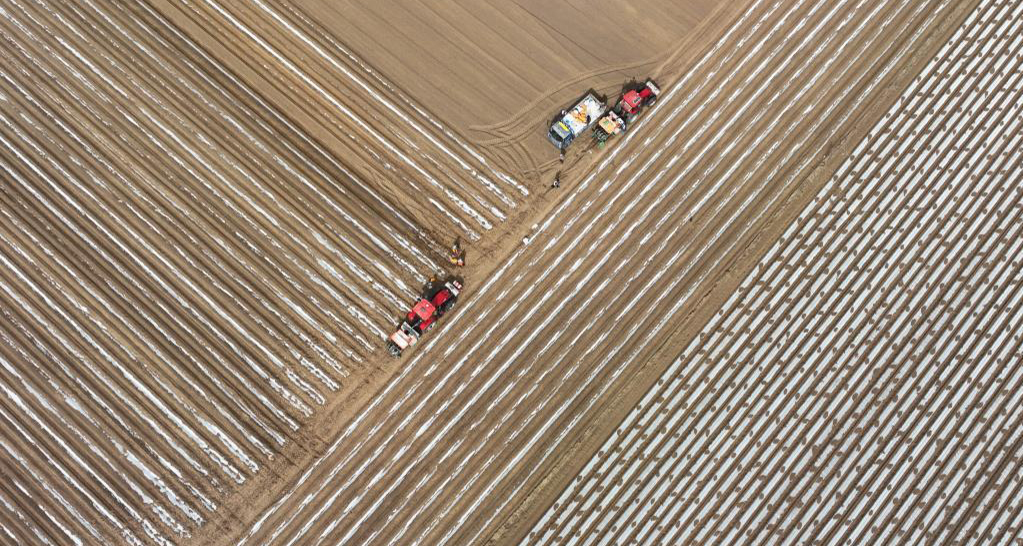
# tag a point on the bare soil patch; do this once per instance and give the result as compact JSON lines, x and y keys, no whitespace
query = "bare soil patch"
{"x":497,"y":71}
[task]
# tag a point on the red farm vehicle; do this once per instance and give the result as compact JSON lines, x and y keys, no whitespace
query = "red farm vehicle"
{"x":438,"y":297}
{"x":618,"y":119}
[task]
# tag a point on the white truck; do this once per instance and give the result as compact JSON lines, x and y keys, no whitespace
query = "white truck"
{"x":573,"y":122}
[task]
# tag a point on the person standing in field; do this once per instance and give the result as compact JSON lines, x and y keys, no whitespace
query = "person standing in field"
{"x":456,"y":254}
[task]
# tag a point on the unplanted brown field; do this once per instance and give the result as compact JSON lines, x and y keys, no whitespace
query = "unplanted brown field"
{"x":213,"y":213}
{"x":479,"y":64}
{"x":492,"y":72}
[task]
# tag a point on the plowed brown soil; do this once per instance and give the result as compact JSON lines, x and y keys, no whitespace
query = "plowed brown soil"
{"x":487,"y":60}
{"x":213,"y":212}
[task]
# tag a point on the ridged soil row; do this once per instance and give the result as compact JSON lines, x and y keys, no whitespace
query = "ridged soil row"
{"x":645,"y":447}
{"x":429,"y":176}
{"x":679,"y":440}
{"x":730,"y":209}
{"x":184,"y":280}
{"x":505,"y":190}
{"x":861,"y":78}
{"x":307,"y":195}
{"x":388,"y":226}
{"x":108,"y":223}
{"x":491,"y":415}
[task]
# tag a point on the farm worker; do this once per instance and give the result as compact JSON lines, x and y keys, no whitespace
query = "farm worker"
{"x":456,"y":255}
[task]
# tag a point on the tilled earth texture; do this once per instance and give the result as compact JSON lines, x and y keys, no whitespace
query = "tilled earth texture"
{"x":783,"y":308}
{"x":494,"y":72}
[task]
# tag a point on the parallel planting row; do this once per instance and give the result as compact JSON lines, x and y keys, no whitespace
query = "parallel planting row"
{"x":477,"y":414}
{"x":410,"y":159}
{"x":184,"y":276}
{"x":863,"y":385}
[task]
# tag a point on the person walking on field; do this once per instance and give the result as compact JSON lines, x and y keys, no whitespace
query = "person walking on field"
{"x":557,"y":180}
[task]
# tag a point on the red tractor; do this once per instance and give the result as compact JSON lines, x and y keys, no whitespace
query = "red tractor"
{"x":618,"y":119}
{"x":438,"y":298}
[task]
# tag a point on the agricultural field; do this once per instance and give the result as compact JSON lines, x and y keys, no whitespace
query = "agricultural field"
{"x":499,"y":70}
{"x":863,"y":383}
{"x":494,"y":73}
{"x":784,"y":304}
{"x":186,"y":279}
{"x":492,"y":60}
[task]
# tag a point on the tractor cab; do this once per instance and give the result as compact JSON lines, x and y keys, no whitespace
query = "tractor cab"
{"x":634,"y":100}
{"x":631,"y":102}
{"x":418,"y":320}
{"x":561,"y":135}
{"x":422,"y":315}
{"x":437,"y":298}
